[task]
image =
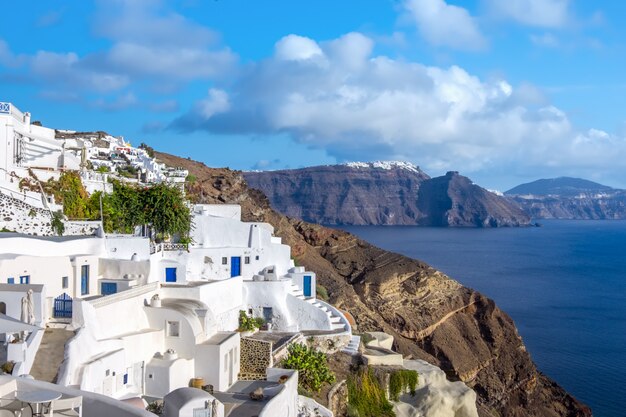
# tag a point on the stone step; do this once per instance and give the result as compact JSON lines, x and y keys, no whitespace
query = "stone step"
{"x":337,"y":326}
{"x":335,"y":319}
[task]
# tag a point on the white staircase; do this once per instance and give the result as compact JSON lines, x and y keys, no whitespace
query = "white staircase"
{"x":353,"y":346}
{"x":335,"y":321}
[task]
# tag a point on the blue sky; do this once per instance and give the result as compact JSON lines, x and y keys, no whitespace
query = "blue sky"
{"x":502,"y":91}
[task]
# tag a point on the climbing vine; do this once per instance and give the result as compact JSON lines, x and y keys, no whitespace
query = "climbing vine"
{"x":366,"y":396}
{"x":400,"y":381}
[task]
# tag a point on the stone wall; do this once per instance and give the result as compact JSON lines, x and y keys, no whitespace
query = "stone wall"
{"x":327,"y":343}
{"x":21,"y":217}
{"x":255,"y":358}
{"x":338,"y":399}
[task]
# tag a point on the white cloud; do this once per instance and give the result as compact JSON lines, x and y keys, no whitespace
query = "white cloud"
{"x":547,"y":40}
{"x":542,"y":13}
{"x":361,"y":106}
{"x":442,"y":24}
{"x":296,"y":48}
{"x":216,"y":102}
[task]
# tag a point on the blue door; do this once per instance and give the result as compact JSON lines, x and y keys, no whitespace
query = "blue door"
{"x":307,"y":286}
{"x":170,"y":274}
{"x":84,"y":279}
{"x":107,"y":288}
{"x":235,"y":266}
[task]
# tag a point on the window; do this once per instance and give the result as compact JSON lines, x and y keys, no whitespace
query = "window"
{"x":64,"y":282}
{"x":224,"y":261}
{"x":246,"y":260}
{"x":172,"y":328}
{"x":84,"y":279}
{"x":11,"y":280}
{"x":25,"y":279}
{"x":256,"y":258}
{"x":125,"y":379}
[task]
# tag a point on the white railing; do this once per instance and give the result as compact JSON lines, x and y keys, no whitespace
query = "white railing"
{"x":124,"y":295}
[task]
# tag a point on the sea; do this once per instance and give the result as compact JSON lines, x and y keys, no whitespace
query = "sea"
{"x":563,"y":283}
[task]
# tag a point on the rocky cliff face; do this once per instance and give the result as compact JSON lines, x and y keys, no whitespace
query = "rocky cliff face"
{"x":431,"y":316}
{"x":383,"y":194}
{"x":569,"y":198}
{"x":344,"y":194}
{"x":453,"y":200}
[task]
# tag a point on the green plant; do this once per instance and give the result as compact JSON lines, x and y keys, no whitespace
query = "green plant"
{"x":312,"y":366}
{"x":7,"y":367}
{"x":32,"y":212}
{"x":103,"y":169}
{"x":155,"y":407}
{"x":248,"y":323}
{"x":191,"y":179}
{"x":366,"y":396}
{"x":57,"y":224}
{"x":401,"y":381}
{"x":149,"y":150}
{"x":321,"y":292}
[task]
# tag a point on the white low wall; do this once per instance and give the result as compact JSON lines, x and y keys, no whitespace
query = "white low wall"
{"x":285,"y":403}
{"x":23,"y":354}
{"x":94,"y":405}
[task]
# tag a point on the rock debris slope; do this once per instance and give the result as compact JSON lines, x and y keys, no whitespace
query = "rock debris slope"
{"x":431,"y":316}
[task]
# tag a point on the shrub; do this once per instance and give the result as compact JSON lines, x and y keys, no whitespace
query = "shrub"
{"x":7,"y":367}
{"x":311,"y":364}
{"x":155,"y":407}
{"x":321,"y":292}
{"x":57,"y":223}
{"x":366,"y":396}
{"x":400,"y":381}
{"x":248,"y":323}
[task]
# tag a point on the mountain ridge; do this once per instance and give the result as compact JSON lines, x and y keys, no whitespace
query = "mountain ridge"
{"x":569,"y":198}
{"x":561,"y":186}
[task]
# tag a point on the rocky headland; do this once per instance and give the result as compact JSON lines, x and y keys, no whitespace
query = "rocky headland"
{"x":384,"y":193}
{"x":431,"y":316}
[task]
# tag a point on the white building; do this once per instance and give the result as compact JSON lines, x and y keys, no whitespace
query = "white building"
{"x":152,"y":317}
{"x":24,"y":145}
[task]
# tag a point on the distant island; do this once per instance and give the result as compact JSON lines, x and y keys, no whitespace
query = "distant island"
{"x":569,"y":198}
{"x":384,"y":193}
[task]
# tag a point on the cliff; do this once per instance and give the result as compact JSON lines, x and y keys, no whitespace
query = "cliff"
{"x":384,"y":193}
{"x":569,"y":198}
{"x":344,"y":194}
{"x":431,"y":316}
{"x":454,"y":200}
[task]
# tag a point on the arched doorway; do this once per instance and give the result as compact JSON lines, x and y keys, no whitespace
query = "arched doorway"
{"x":3,"y":308}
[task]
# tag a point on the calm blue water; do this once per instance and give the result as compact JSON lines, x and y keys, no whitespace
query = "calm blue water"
{"x":564,"y":284}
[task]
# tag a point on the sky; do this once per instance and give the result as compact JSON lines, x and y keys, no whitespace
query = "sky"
{"x":503,"y":91}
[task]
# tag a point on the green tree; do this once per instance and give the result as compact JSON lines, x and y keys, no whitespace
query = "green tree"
{"x":165,"y":208}
{"x":312,"y":366}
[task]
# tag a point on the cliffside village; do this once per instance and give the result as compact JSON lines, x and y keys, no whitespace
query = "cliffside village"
{"x":120,"y":320}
